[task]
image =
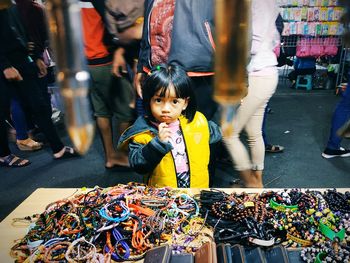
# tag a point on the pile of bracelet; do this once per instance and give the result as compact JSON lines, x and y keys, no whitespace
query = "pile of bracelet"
{"x":125,"y":221}
{"x":118,"y":223}
{"x":291,"y":217}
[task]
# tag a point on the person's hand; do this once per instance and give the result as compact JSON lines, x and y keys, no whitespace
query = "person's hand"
{"x":12,"y":74}
{"x":164,"y":132}
{"x":119,"y":64}
{"x":42,"y":67}
{"x":137,"y":83}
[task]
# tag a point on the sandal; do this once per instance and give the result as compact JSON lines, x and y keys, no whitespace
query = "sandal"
{"x":28,"y":145}
{"x":13,"y":161}
{"x":69,"y":152}
{"x":270,"y":148}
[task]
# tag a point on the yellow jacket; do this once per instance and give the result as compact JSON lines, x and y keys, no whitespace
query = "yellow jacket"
{"x":149,"y":155}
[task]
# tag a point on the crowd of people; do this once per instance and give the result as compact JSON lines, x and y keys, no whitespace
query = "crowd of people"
{"x":154,"y":74}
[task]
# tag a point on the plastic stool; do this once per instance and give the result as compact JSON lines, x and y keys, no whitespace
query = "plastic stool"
{"x":307,"y":85}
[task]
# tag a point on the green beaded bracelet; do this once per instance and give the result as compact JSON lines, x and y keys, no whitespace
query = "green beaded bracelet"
{"x":276,"y":206}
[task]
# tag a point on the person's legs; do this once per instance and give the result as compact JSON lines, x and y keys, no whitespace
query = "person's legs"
{"x":250,"y":117}
{"x":4,"y":143}
{"x":257,"y":146}
{"x":123,"y":98}
{"x":235,"y":146}
{"x":107,"y":99}
{"x":264,"y":88}
{"x":203,"y":88}
{"x":292,"y":76}
{"x":340,"y":116}
{"x":269,"y":148}
{"x":111,"y":157}
{"x":4,"y":109}
{"x":263,"y":129}
{"x":19,"y":120}
{"x":24,"y":143}
{"x":30,"y":94}
{"x":6,"y":158}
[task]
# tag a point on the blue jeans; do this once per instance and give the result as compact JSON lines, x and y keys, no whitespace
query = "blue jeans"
{"x":340,"y":116}
{"x":19,"y":119}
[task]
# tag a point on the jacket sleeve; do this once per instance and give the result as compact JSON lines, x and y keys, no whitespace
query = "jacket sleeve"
{"x":4,"y":62}
{"x":215,"y":132}
{"x":144,"y":158}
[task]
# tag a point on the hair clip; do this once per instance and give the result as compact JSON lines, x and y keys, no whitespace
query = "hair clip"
{"x":158,"y":67}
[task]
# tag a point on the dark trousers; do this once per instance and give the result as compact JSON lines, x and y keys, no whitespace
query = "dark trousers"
{"x":30,"y":94}
{"x":204,"y":90}
{"x":4,"y":110}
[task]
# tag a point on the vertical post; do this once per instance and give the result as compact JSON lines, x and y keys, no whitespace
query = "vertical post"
{"x":232,"y":21}
{"x":72,"y":75}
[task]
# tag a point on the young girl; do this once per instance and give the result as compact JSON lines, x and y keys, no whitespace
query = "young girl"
{"x":171,"y":142}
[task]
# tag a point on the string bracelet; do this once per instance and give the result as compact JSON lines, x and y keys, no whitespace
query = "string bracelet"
{"x":119,"y":246}
{"x":69,"y":224}
{"x":116,"y":211}
{"x":57,"y":251}
{"x":81,"y":250}
{"x":65,"y":205}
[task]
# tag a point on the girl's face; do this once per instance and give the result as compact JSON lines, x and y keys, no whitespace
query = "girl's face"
{"x":168,"y":108}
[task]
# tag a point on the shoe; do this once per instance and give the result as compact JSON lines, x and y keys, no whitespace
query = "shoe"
{"x":28,"y":145}
{"x":330,"y":153}
{"x":270,"y":148}
{"x":14,"y":161}
{"x":69,"y":152}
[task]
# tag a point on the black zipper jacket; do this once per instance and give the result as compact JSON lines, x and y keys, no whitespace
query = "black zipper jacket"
{"x":13,"y":44}
{"x":192,"y":42}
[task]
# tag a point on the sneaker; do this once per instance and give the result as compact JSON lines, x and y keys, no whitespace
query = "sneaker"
{"x":329,"y":153}
{"x":270,"y":148}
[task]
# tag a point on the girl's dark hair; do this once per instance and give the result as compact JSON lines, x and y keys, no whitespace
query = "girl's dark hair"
{"x":161,"y":78}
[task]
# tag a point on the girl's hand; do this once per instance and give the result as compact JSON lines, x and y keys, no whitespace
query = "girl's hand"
{"x":164,"y":132}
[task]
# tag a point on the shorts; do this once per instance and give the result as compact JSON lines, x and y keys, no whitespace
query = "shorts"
{"x":111,"y":96}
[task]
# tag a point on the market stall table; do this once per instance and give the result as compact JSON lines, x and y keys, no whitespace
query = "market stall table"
{"x":41,"y":197}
